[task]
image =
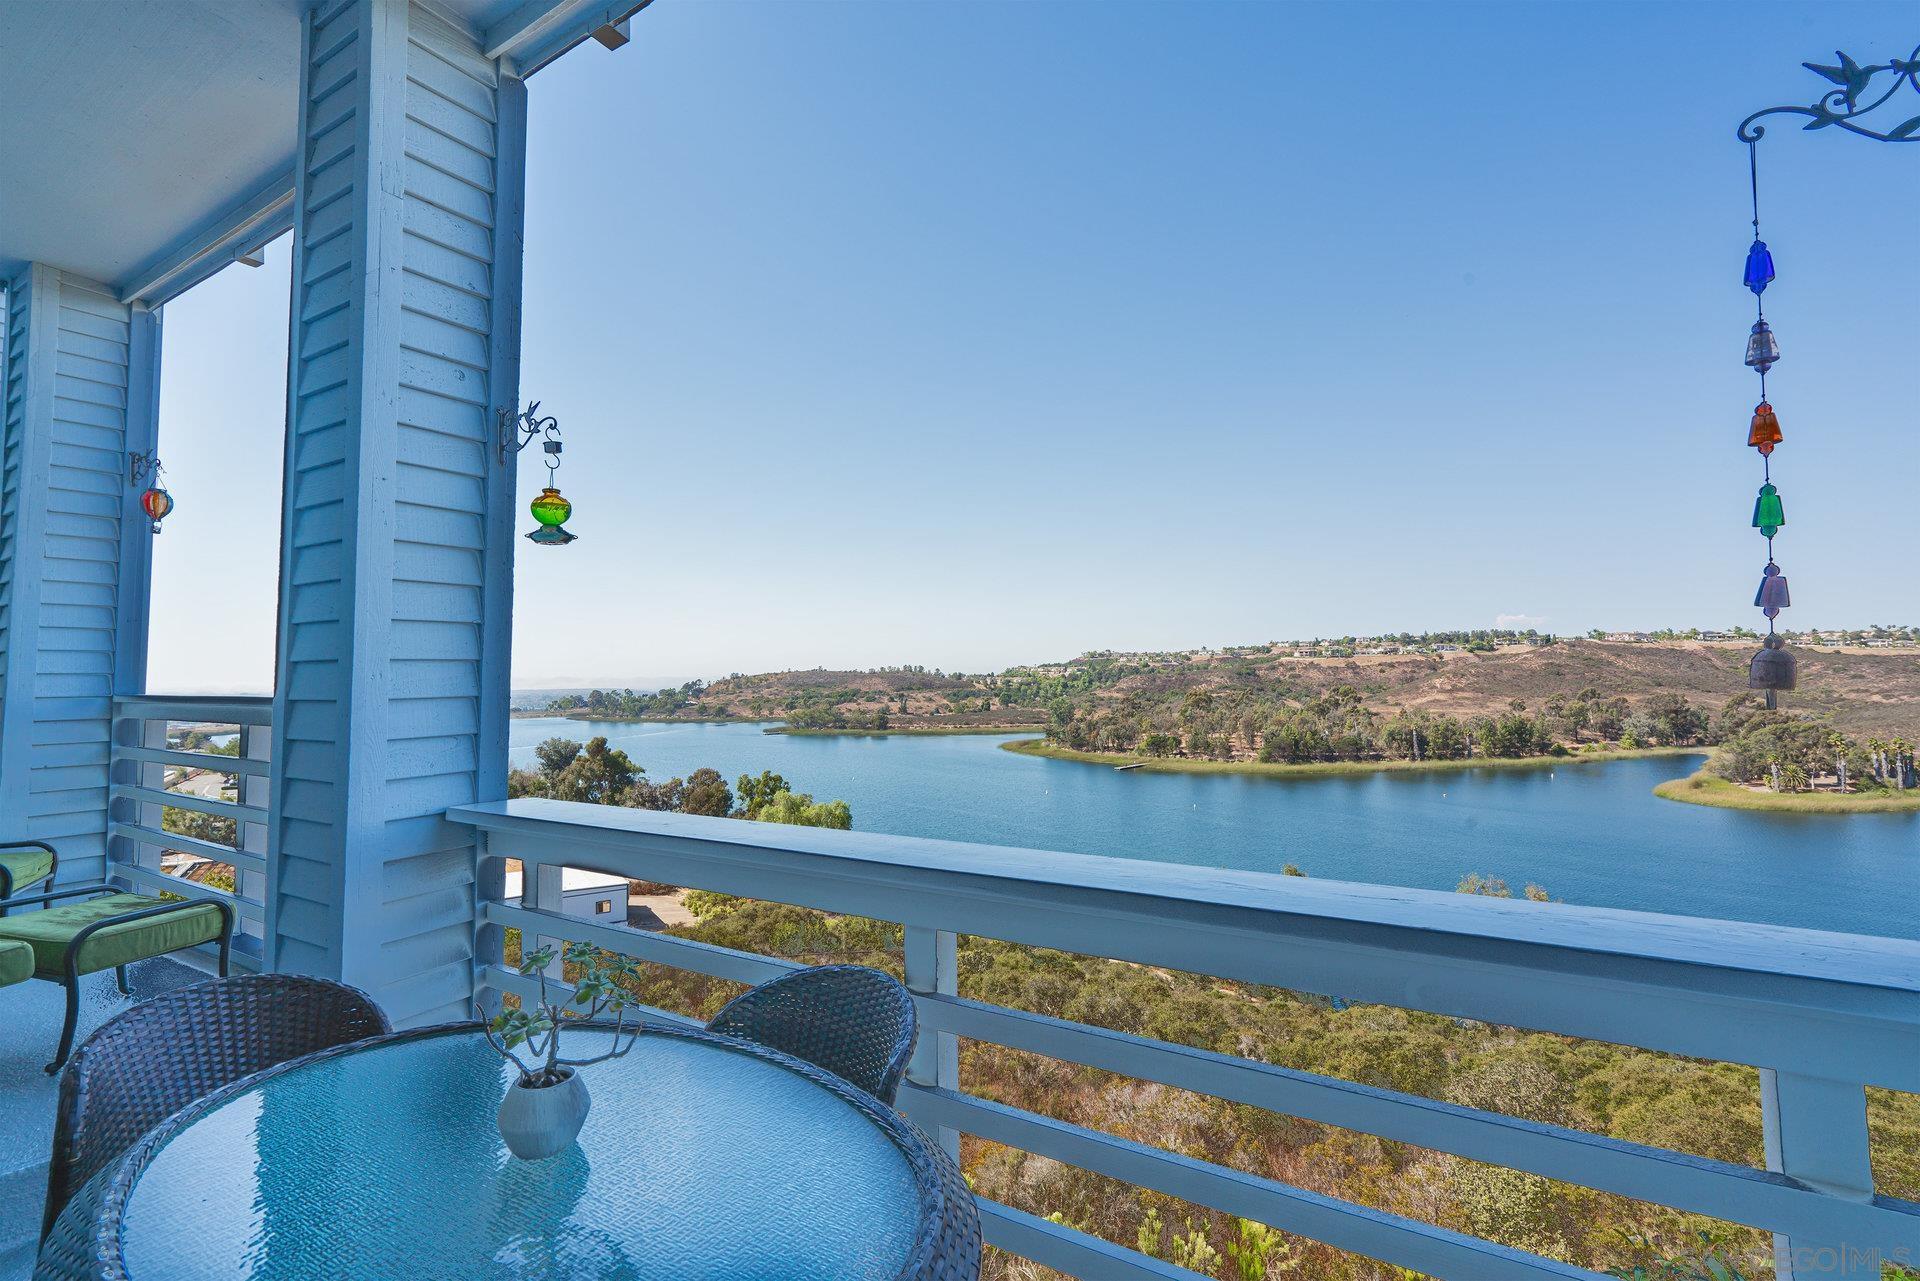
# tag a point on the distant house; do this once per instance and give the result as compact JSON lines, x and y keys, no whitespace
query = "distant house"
{"x":1717,"y":636}
{"x":1636,"y":638}
{"x":591,"y":896}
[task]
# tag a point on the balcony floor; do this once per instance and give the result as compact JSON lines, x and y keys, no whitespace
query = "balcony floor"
{"x":33,"y":1012}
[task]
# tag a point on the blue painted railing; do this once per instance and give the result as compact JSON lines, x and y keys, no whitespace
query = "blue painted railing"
{"x":150,"y":773}
{"x":1821,"y":1015}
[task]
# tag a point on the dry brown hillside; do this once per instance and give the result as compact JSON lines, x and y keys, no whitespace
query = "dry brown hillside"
{"x":1866,"y":691}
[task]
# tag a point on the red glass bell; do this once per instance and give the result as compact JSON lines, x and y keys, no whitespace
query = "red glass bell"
{"x":156,"y":503}
{"x":1765,"y":432}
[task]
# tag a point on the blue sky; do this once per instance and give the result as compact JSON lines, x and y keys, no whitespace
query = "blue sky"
{"x":978,"y":333}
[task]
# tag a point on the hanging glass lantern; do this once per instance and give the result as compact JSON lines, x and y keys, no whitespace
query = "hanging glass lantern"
{"x":1763,"y":349}
{"x":551,"y":510}
{"x":1765,"y":432}
{"x":156,"y":503}
{"x":1759,"y":272}
{"x":1772,"y":596}
{"x":1768,"y":512}
{"x":1772,"y":668}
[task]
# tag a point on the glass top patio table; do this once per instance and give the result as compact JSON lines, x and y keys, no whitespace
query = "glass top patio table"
{"x":702,"y":1157}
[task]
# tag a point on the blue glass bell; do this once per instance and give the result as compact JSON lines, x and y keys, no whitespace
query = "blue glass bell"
{"x":1772,"y":596}
{"x":1763,"y":349}
{"x":1759,"y":272}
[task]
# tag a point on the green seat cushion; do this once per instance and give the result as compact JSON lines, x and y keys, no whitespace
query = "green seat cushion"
{"x":16,"y":963}
{"x":50,"y":932}
{"x":25,"y":864}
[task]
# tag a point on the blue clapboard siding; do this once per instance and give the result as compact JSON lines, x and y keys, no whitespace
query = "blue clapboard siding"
{"x":71,"y":377}
{"x":395,"y":564}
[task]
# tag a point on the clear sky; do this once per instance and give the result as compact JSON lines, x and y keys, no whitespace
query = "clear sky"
{"x":968,"y":334}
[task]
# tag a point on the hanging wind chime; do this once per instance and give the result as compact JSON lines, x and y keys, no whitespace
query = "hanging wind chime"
{"x":1772,"y":669}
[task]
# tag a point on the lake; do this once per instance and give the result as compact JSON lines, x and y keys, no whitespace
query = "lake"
{"x":1591,"y":833}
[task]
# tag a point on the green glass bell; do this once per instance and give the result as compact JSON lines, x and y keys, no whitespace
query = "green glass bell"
{"x":1768,"y":514}
{"x":551,"y":510}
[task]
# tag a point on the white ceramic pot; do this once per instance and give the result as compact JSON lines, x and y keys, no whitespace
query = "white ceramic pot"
{"x":536,"y":1123}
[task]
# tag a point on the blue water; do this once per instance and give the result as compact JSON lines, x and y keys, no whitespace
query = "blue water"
{"x":1591,"y":834}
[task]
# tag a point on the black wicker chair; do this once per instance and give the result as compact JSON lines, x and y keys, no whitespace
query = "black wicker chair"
{"x":855,"y":1022}
{"x":162,"y":1054}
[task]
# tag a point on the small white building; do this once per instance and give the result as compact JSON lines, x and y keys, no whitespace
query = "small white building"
{"x":591,"y":896}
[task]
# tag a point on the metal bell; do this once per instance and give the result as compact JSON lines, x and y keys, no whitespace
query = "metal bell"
{"x":1773,"y":667}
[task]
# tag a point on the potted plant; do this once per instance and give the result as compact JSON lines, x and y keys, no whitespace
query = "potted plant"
{"x":547,"y":1103}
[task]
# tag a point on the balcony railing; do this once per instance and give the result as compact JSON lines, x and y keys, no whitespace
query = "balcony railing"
{"x":1821,"y":1015}
{"x":165,"y":759}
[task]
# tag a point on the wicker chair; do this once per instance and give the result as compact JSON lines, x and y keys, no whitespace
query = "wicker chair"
{"x":162,"y":1054}
{"x":855,"y":1022}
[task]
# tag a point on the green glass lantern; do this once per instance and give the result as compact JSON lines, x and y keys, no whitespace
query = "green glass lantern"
{"x":552,"y":511}
{"x":1768,"y":513}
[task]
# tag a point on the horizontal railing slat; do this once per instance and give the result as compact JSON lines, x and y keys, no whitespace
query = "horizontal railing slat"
{"x":195,"y":760}
{"x":240,"y":860}
{"x":528,"y":989}
{"x":684,"y":954}
{"x":195,"y":710}
{"x":1344,"y":1225}
{"x":1736,"y":1193}
{"x":157,"y":882}
{"x":187,"y":801}
{"x":1068,"y":1250}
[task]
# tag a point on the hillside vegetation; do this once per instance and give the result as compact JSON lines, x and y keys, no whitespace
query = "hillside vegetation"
{"x":1864,"y":692}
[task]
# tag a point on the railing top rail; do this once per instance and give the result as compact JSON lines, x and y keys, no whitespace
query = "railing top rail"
{"x":242,"y":709}
{"x":1841,"y":1005}
{"x":1851,"y":960}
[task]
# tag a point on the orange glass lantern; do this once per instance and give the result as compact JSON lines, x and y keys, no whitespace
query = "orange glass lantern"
{"x":1765,"y":432}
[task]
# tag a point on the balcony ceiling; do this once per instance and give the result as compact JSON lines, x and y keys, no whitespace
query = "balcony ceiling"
{"x":133,"y":126}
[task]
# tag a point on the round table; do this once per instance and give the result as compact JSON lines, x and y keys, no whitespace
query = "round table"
{"x":702,"y":1157}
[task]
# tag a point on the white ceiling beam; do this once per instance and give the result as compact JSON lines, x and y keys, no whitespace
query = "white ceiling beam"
{"x":234,"y":235}
{"x":541,"y":30}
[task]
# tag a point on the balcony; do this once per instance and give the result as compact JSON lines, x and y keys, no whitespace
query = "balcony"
{"x":1823,"y":1017}
{"x":354,"y":821}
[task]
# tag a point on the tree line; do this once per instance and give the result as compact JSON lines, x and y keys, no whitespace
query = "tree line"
{"x":1337,"y":725}
{"x":1787,"y":751}
{"x":599,"y":774}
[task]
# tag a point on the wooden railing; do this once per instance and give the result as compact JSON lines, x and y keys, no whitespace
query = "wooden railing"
{"x":1821,"y":1015}
{"x":152,"y":772}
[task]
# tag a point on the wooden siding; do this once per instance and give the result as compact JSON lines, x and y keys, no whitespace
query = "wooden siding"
{"x":394,"y":561}
{"x":78,"y":398}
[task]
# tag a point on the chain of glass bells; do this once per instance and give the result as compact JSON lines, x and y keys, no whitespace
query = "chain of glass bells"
{"x":1772,"y":668}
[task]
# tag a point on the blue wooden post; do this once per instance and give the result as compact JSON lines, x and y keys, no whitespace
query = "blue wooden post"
{"x":391,"y":684}
{"x":82,"y":378}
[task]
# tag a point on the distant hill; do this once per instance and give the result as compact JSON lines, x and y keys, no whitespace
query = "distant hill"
{"x":1865,"y":691}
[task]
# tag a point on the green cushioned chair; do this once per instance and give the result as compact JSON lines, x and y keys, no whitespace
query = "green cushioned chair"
{"x":16,"y":963}
{"x":24,"y":863}
{"x":108,"y":929}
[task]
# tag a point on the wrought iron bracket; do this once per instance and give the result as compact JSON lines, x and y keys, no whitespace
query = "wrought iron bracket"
{"x":1842,"y":106}
{"x":140,"y":467}
{"x":517,"y":431}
